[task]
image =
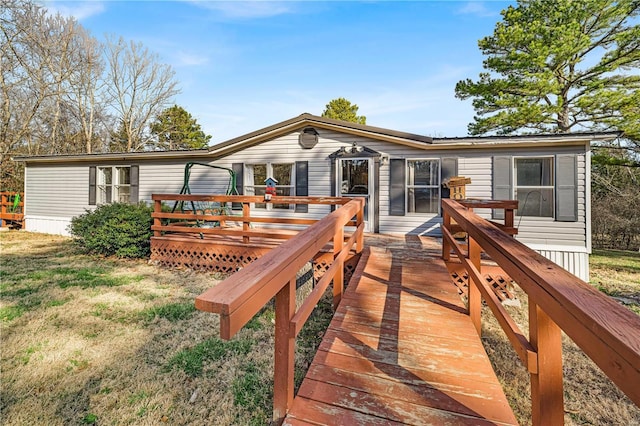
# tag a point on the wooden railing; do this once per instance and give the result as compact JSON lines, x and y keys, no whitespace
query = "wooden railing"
{"x":230,"y":209}
{"x":238,"y":298}
{"x":558,"y":301}
{"x":10,"y":211}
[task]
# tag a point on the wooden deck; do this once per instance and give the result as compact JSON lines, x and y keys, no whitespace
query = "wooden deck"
{"x":400,"y":350}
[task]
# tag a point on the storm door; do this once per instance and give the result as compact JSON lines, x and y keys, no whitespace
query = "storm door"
{"x":355,"y":179}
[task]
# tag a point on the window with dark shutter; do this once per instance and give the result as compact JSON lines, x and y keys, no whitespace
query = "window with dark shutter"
{"x":502,"y":181}
{"x":566,"y":188}
{"x":302,"y":184}
{"x":397,"y":187}
{"x":92,"y":185}
{"x":449,"y":168}
{"x":134,"y":193}
{"x":238,"y":170}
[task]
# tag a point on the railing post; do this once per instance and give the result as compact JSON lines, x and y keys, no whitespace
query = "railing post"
{"x":547,"y":404}
{"x":3,"y":208}
{"x":157,"y":208}
{"x":359,"y":222}
{"x":446,"y":247}
{"x":338,"y":278}
{"x":246,"y":211}
{"x":508,"y":218}
{"x":475,"y":300}
{"x":284,"y":352}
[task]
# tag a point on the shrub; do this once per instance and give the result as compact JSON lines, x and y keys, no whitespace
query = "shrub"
{"x":117,"y":229}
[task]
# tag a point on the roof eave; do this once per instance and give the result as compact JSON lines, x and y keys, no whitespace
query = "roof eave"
{"x":304,"y":120}
{"x":553,"y":139}
{"x":121,"y":156}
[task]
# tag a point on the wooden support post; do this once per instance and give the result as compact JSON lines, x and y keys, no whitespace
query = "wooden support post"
{"x":508,"y":218}
{"x":221,"y":212}
{"x":284,"y":352}
{"x":246,"y":211}
{"x":3,"y":214}
{"x":338,"y":278}
{"x":446,"y":247}
{"x":547,"y":404}
{"x":157,"y":208}
{"x":360,"y":221}
{"x":475,"y":300}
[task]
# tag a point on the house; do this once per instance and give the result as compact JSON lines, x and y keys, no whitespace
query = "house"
{"x":400,"y":175}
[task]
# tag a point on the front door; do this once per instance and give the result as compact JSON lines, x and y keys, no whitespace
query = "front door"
{"x":355,"y":179}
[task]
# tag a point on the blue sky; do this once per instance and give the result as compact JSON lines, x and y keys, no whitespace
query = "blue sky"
{"x":242,"y":66}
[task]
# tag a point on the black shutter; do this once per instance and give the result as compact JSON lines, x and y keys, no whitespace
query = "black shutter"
{"x":333,"y":178}
{"x":449,"y":168}
{"x":238,"y":170}
{"x":502,"y":182}
{"x":566,"y":188}
{"x":302,"y":184}
{"x":397,"y":170}
{"x":134,"y":189}
{"x":92,"y":185}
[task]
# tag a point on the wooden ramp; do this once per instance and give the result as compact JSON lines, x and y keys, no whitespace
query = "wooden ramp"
{"x":400,"y":350}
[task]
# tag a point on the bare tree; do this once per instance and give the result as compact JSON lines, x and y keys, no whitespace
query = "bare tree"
{"x":61,"y":90}
{"x":22,"y":74}
{"x":139,"y":87}
{"x":87,"y":89}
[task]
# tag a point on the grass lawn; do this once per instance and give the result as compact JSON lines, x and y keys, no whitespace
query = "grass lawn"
{"x":589,"y":396}
{"x":88,"y":340}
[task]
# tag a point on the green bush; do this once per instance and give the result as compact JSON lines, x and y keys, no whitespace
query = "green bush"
{"x":117,"y":229}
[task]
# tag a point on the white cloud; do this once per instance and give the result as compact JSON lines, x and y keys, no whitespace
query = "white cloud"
{"x":78,"y":10}
{"x":477,"y":8}
{"x":247,"y":9}
{"x":187,"y":59}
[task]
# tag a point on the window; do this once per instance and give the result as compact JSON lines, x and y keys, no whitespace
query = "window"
{"x":423,"y":186}
{"x":256,"y":174}
{"x":114,"y":184}
{"x":534,"y":179}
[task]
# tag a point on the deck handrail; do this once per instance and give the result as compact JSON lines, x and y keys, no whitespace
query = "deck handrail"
{"x":238,"y":298}
{"x":9,"y":212}
{"x":174,"y":222}
{"x":607,"y":332}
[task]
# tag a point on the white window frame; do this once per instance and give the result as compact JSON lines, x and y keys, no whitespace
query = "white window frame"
{"x":250,"y":189}
{"x":551,"y":186}
{"x":114,"y":189}
{"x":409,"y":187}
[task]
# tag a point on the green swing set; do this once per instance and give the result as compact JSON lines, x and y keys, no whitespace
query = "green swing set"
{"x":205,"y":207}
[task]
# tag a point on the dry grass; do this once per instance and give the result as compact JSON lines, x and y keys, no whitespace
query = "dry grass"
{"x":89,"y":340}
{"x":589,"y":396}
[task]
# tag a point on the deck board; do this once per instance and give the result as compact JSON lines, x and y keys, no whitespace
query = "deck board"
{"x":400,"y":350}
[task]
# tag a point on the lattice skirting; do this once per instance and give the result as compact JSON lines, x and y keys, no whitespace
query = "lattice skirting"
{"x":226,"y":258}
{"x":494,"y":276}
{"x":322,"y":262}
{"x":212,"y":257}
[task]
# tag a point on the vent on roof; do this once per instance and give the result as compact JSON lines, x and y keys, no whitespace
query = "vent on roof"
{"x":308,"y":138}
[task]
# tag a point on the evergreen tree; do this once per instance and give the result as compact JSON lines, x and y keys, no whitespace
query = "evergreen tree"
{"x":175,"y":128}
{"x":560,"y":66}
{"x":342,"y":109}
